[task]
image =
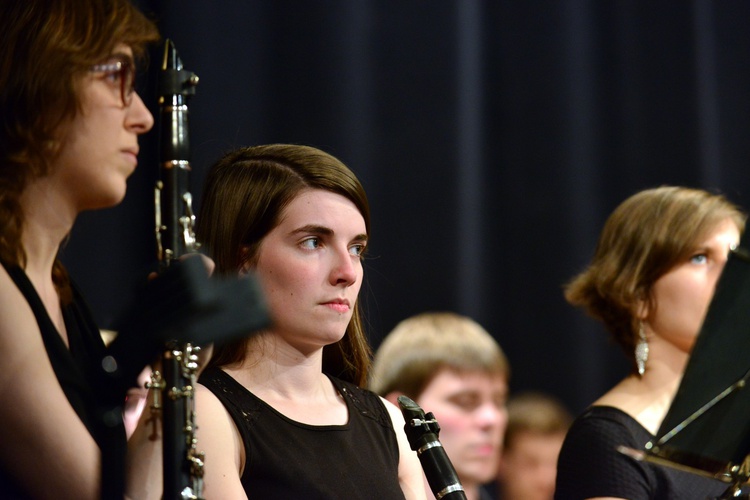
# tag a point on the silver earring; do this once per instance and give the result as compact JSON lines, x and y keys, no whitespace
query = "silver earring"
{"x":641,"y":350}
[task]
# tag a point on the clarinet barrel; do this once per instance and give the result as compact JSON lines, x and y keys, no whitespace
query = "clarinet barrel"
{"x":422,"y":432}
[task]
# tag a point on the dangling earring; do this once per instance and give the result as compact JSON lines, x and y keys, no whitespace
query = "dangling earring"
{"x":641,"y":350}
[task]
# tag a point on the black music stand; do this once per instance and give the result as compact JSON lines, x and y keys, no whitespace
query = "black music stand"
{"x":707,"y":427}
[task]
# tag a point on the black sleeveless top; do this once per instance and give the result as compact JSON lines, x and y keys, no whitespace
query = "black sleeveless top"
{"x":289,"y":459}
{"x":76,"y":368}
{"x":590,"y":466}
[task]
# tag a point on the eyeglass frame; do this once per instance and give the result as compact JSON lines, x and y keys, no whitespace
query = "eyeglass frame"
{"x":125,"y":70}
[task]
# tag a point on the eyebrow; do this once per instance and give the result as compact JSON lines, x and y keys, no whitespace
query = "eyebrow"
{"x":325,"y":231}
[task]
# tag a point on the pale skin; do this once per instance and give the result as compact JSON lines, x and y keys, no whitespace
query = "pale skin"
{"x":682,"y":296}
{"x":40,"y":431}
{"x":310,"y":270}
{"x":470,"y":408}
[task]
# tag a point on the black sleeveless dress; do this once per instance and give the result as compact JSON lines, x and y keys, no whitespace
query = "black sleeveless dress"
{"x":78,"y":370}
{"x":289,"y":459}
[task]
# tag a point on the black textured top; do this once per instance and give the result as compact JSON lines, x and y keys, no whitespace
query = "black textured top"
{"x":590,"y":465}
{"x":289,"y":459}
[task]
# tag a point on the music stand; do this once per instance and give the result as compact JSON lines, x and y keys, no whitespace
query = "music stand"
{"x":707,"y":427}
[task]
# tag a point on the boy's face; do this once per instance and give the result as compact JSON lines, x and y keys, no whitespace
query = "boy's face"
{"x":470,"y":409}
{"x":529,"y":467}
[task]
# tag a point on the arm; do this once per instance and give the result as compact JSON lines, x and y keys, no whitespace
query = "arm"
{"x":220,"y":439}
{"x":39,"y":429}
{"x":410,"y":474}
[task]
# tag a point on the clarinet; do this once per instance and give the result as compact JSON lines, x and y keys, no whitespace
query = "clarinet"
{"x":175,"y":237}
{"x":422,"y":432}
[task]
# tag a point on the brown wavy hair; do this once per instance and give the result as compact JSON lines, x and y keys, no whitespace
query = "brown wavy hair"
{"x":245,"y":194}
{"x":46,"y":47}
{"x":644,"y":238}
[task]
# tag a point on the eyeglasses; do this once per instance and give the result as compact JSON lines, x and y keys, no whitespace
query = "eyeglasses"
{"x":119,"y":73}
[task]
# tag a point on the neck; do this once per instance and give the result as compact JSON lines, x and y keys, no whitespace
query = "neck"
{"x":273,"y":365}
{"x":471,"y":490}
{"x":647,"y":398}
{"x":47,"y":222}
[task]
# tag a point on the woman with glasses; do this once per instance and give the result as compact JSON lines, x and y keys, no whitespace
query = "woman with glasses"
{"x":68,"y":142}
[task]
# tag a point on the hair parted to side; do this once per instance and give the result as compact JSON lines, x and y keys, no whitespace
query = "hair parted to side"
{"x":645,"y":237}
{"x":535,"y":413}
{"x":46,"y":48}
{"x":244,"y":197}
{"x":422,"y":345}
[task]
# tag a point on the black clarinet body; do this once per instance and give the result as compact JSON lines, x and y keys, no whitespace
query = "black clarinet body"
{"x":175,"y":237}
{"x":422,"y":432}
{"x":175,"y":219}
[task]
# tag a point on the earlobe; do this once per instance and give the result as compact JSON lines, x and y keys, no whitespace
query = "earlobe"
{"x":641,"y":309}
{"x":247,"y":264}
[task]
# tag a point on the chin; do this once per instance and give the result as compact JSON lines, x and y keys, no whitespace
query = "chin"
{"x":110,"y":201}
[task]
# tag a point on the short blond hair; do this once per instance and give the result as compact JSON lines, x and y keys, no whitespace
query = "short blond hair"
{"x":420,"y":346}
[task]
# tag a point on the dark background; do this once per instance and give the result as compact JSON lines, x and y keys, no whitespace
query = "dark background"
{"x":493,"y":138}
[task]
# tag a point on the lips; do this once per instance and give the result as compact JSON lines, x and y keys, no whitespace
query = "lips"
{"x":132,"y":155}
{"x":338,"y":305}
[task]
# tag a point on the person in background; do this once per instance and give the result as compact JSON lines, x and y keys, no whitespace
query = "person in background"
{"x":283,"y":413}
{"x":70,"y":122}
{"x":537,"y":424}
{"x":450,"y":366}
{"x":651,"y":280}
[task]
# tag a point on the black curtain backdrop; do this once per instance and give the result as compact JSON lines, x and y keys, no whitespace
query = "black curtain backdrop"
{"x":493,"y":138}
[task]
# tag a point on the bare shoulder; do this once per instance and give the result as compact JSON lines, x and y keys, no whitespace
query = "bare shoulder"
{"x":409,"y":469}
{"x":395,"y":413}
{"x":215,"y":425}
{"x":622,"y":396}
{"x":219,"y":438}
{"x":20,"y":338}
{"x":210,"y":409}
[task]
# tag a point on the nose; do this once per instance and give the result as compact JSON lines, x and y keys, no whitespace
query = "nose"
{"x":490,"y":415}
{"x":344,"y":269}
{"x":138,"y":119}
